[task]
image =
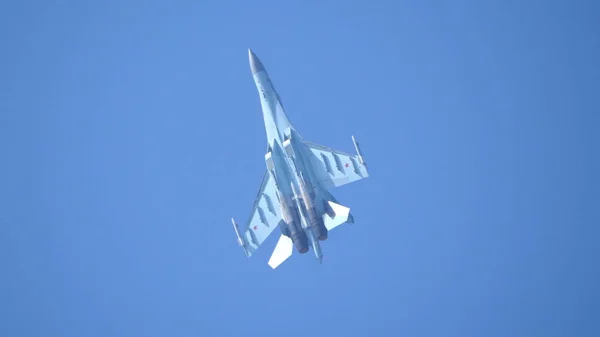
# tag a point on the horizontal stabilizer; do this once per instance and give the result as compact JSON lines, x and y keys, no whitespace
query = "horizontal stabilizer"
{"x":336,"y":215}
{"x":282,"y":251}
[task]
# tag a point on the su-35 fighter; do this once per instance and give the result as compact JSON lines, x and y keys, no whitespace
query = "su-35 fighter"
{"x":294,"y":193}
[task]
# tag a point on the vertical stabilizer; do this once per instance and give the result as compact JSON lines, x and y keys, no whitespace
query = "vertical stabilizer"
{"x":336,"y":215}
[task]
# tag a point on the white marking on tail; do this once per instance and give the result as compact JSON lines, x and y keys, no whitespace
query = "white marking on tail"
{"x":282,"y":251}
{"x":341,"y":214}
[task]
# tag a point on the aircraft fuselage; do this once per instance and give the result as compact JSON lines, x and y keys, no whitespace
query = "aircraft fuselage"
{"x":301,"y":196}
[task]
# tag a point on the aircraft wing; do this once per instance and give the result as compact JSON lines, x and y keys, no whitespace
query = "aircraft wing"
{"x":336,"y":168}
{"x":265,"y":216}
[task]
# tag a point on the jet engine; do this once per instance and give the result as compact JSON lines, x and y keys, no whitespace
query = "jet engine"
{"x":296,"y":232}
{"x":300,"y":241}
{"x":298,"y":236}
{"x":285,"y":229}
{"x":292,"y":228}
{"x":314,"y":219}
{"x":317,"y":224}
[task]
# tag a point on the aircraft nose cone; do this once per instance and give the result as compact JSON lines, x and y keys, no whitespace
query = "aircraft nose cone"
{"x":255,"y":64}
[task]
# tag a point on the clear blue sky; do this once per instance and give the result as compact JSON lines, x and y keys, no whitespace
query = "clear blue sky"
{"x":131,"y":132}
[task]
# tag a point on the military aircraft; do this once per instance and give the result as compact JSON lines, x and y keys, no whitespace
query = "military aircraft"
{"x":294,"y":193}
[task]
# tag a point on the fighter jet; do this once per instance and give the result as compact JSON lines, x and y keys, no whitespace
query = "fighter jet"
{"x":294,"y":194}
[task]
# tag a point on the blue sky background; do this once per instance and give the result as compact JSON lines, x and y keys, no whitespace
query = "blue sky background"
{"x":131,"y":132}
